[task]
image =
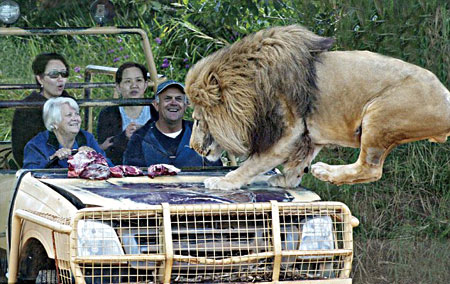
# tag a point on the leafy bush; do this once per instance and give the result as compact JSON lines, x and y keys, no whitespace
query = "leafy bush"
{"x":411,"y":201}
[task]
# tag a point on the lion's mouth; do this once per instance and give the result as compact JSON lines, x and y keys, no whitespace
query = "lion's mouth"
{"x":199,"y":150}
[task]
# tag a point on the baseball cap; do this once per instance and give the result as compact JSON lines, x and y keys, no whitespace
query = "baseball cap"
{"x":169,"y":83}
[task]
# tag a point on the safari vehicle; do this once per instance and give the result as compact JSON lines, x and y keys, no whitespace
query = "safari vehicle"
{"x":169,"y":229}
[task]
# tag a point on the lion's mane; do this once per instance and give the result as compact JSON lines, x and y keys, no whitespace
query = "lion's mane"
{"x":243,"y":89}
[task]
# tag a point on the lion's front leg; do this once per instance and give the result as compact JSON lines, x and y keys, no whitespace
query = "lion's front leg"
{"x":279,"y":153}
{"x":243,"y":175}
{"x":286,"y":180}
{"x":223,"y":183}
{"x":296,"y":166}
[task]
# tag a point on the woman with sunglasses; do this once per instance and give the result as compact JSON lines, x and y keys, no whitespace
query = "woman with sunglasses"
{"x":51,"y":71}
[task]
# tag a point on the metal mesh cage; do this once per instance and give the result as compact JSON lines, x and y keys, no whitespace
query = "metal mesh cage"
{"x":258,"y":242}
{"x":62,"y":257}
{"x":119,"y":246}
{"x":222,"y":244}
{"x":316,"y":241}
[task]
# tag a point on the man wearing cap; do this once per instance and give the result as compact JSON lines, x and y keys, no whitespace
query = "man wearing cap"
{"x":165,"y":141}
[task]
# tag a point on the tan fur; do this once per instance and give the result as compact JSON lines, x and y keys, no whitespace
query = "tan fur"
{"x":362,"y":99}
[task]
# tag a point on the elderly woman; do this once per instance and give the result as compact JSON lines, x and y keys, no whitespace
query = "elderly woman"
{"x":51,"y":72}
{"x":63,"y":135}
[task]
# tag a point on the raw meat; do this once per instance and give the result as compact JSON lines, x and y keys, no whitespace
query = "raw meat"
{"x":124,"y":170}
{"x":90,"y":165}
{"x":162,"y":170}
{"x":95,"y":171}
{"x":116,"y":172}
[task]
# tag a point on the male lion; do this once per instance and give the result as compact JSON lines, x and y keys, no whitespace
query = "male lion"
{"x":277,"y":96}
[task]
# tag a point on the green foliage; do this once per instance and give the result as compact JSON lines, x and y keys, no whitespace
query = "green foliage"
{"x":412,"y":200}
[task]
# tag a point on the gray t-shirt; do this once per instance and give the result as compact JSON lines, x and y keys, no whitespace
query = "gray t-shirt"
{"x":143,"y":117}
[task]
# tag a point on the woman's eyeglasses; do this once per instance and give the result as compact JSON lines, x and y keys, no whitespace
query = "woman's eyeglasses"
{"x":55,"y":74}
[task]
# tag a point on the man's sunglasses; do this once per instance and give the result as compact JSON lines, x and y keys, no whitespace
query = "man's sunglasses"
{"x":55,"y":74}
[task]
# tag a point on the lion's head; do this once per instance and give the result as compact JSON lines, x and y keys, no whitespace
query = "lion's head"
{"x":201,"y":139}
{"x":244,"y":95}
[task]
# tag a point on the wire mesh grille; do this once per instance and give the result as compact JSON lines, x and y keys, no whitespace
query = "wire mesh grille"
{"x":120,"y":246}
{"x":62,"y":260}
{"x":222,"y":245}
{"x":316,"y":241}
{"x":213,"y":243}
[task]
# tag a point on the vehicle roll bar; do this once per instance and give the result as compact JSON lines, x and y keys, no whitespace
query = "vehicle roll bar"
{"x":92,"y":31}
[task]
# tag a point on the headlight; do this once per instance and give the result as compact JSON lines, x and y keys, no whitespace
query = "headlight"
{"x":9,"y":11}
{"x":102,"y":11}
{"x":314,"y":233}
{"x":95,"y":238}
{"x":317,"y":234}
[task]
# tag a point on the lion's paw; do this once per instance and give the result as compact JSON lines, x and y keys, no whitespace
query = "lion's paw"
{"x":321,"y":171}
{"x":221,"y":183}
{"x":280,"y":180}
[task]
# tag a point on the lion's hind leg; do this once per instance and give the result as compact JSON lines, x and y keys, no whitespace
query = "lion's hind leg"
{"x":396,"y":117}
{"x":368,"y":167}
{"x":347,"y":174}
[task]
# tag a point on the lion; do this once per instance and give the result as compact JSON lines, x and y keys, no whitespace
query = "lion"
{"x":278,"y":96}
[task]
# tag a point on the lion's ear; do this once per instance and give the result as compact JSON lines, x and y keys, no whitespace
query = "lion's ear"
{"x":209,"y":94}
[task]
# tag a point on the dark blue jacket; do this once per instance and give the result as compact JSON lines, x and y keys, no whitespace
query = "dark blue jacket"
{"x":42,"y":146}
{"x":110,"y":124}
{"x":144,"y":150}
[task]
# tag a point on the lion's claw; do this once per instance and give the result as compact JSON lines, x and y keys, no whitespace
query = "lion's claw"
{"x":220,"y":183}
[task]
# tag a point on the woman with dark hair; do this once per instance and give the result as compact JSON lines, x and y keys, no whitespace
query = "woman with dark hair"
{"x":51,"y":71}
{"x":51,"y":148}
{"x":117,"y":124}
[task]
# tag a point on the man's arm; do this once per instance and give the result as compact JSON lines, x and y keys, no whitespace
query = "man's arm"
{"x":134,"y":155}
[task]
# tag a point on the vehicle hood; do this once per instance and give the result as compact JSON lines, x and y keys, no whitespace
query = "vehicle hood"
{"x":181,"y":189}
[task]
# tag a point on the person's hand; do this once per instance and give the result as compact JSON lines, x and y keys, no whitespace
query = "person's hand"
{"x":62,"y":153}
{"x":85,"y":149}
{"x":131,"y":128}
{"x":107,"y":143}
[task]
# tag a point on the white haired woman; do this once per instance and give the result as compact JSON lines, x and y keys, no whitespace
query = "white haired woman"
{"x":63,"y":135}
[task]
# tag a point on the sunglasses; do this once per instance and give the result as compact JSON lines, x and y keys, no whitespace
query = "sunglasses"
{"x":55,"y":74}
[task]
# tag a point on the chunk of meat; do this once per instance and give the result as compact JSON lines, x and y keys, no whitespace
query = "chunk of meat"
{"x":162,"y":170}
{"x":116,"y":172}
{"x":88,"y":164}
{"x":78,"y":162}
{"x":124,"y":170}
{"x":131,"y":170}
{"x":95,"y":171}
